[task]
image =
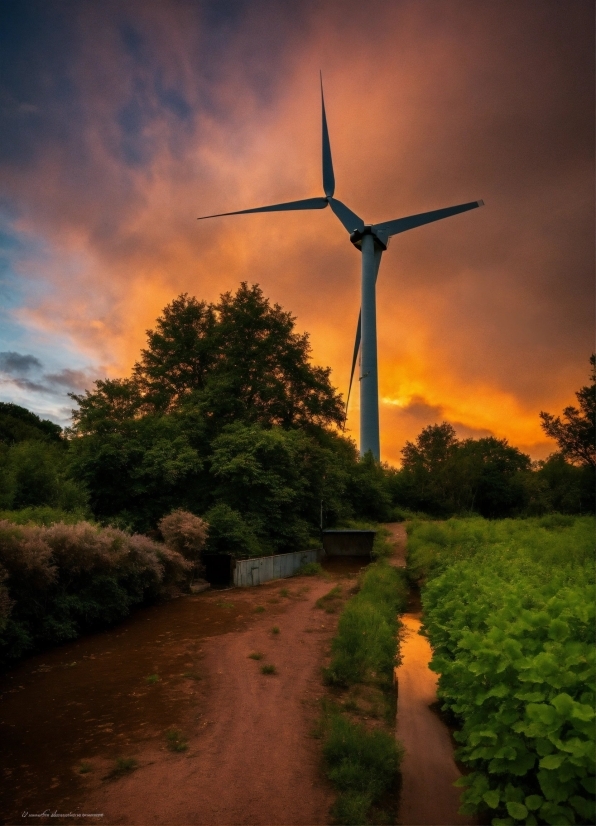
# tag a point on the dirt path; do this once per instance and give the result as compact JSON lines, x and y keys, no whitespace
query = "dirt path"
{"x":428,"y":768}
{"x":251,"y":759}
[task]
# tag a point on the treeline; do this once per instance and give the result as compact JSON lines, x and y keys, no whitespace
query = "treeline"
{"x":225,"y":416}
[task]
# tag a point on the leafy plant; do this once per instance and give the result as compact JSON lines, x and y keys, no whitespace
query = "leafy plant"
{"x":176,"y":742}
{"x":268,"y":669}
{"x":256,"y":655}
{"x":122,"y":766}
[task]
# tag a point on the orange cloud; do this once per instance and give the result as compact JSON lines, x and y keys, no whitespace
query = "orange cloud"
{"x":482,"y":318}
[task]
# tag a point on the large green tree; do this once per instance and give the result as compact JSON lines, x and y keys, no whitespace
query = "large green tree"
{"x":575,"y":433}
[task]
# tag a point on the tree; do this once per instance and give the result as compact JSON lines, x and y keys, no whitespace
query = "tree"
{"x":575,"y":433}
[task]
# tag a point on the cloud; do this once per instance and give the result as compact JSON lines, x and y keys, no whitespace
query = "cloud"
{"x":151,"y":114}
{"x":18,"y":364}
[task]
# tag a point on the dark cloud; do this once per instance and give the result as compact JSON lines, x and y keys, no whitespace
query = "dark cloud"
{"x":17,"y":364}
{"x":27,"y":385}
{"x":71,"y":380}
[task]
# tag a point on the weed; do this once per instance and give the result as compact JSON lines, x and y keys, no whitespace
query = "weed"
{"x":122,"y":766}
{"x":275,"y":629}
{"x":284,"y":592}
{"x":351,"y":808}
{"x":223,"y":604}
{"x":259,"y":609}
{"x":152,"y":679}
{"x":85,"y":767}
{"x":310,"y":569}
{"x":329,"y":602}
{"x":360,"y":761}
{"x":256,"y":655}
{"x":176,"y":742}
{"x":268,"y":669}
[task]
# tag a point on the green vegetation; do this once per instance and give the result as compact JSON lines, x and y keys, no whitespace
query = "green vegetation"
{"x":363,"y":765}
{"x":268,"y":669}
{"x":310,"y":569}
{"x":331,"y":601}
{"x":275,"y":629}
{"x":60,"y":581}
{"x":509,"y":610}
{"x":152,"y":679}
{"x":365,"y":646}
{"x":85,"y":767}
{"x":256,"y":655}
{"x":176,"y":742}
{"x":122,"y":766}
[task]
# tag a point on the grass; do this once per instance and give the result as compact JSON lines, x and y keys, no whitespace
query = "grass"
{"x":259,"y":609}
{"x":268,"y":669}
{"x":361,"y":764}
{"x":256,"y":655}
{"x":85,"y":767}
{"x":275,"y":629}
{"x":224,"y":604}
{"x":331,"y":601}
{"x":284,"y":592}
{"x":152,"y":679}
{"x":310,"y":569}
{"x":122,"y":766}
{"x":175,"y":740}
{"x":364,"y":647}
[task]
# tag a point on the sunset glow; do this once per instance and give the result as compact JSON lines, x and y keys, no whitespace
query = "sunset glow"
{"x":126,"y":122}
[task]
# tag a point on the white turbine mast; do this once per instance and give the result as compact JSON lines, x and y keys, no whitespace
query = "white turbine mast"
{"x":372,"y":241}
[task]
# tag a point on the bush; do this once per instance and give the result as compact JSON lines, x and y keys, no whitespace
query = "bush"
{"x":509,"y":610}
{"x":230,"y":533}
{"x":64,"y":580}
{"x":184,"y":533}
{"x":362,"y":764}
{"x":366,"y":641}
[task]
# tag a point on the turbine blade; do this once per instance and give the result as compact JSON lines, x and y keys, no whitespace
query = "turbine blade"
{"x":307,"y":203}
{"x":348,"y":218}
{"x":403,"y":224}
{"x":328,"y":176}
{"x":354,"y":358}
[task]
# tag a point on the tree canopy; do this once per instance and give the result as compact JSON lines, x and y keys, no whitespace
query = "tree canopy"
{"x":575,"y":433}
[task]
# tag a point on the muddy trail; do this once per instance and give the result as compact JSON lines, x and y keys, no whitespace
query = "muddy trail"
{"x":177,"y":675}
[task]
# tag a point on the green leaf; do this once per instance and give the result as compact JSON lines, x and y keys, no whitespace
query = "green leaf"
{"x":534,"y":802}
{"x":492,"y":798}
{"x":564,"y":704}
{"x":517,"y":811}
{"x":586,"y":808}
{"x":552,"y":761}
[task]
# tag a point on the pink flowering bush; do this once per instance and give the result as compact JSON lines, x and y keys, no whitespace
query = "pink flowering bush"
{"x":185,"y":533}
{"x":60,"y":581}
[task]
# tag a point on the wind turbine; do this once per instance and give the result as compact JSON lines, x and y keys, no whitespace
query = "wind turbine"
{"x":372,"y":241}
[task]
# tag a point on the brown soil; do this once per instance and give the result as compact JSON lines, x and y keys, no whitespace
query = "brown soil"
{"x":399,"y":538}
{"x":249,"y":759}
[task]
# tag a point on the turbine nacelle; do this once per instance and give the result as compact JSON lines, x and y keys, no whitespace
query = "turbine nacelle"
{"x":381,"y":238}
{"x":371,"y":259}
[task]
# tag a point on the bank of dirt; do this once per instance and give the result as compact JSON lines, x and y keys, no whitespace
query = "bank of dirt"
{"x":250,"y":756}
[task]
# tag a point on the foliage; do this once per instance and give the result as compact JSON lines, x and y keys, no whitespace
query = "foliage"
{"x":43,"y":515}
{"x":35,"y":472}
{"x":576,"y":432}
{"x":64,"y":580}
{"x":229,"y":533}
{"x":361,"y":764}
{"x":366,"y":640}
{"x":509,"y":610}
{"x":17,"y":424}
{"x":442,"y":474}
{"x":184,"y":533}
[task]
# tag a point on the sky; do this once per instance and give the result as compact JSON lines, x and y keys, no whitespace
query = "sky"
{"x":124,"y":122}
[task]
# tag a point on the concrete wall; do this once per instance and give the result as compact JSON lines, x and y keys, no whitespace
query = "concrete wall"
{"x":263,"y":568}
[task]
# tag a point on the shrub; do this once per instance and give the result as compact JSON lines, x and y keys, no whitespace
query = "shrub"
{"x":362,"y":764}
{"x":64,"y":580}
{"x":184,"y":533}
{"x":366,"y":641}
{"x":230,"y":533}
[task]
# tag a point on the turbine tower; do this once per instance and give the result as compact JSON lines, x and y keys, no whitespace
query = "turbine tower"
{"x":372,"y":241}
